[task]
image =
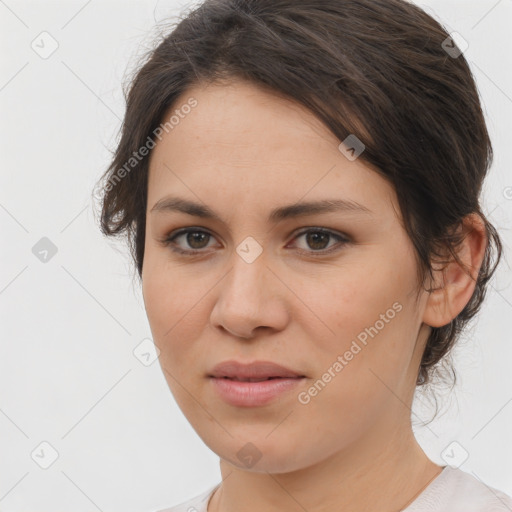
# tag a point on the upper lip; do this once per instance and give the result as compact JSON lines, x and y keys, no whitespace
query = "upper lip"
{"x":254,"y":370}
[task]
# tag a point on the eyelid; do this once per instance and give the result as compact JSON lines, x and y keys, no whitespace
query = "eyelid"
{"x":342,"y":239}
{"x":168,"y":240}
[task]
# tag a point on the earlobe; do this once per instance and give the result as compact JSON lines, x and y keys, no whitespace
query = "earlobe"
{"x":453,"y":286}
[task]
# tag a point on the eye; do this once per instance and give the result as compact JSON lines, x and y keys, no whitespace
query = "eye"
{"x":195,"y":237}
{"x":317,"y":239}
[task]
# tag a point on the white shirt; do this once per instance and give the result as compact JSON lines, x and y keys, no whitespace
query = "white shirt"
{"x":453,"y":490}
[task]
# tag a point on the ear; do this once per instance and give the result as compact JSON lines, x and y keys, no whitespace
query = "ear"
{"x":453,"y":287}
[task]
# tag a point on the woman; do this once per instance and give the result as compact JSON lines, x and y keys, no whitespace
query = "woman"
{"x":299,"y":182}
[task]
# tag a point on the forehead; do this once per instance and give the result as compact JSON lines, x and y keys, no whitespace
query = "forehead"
{"x":242,"y":139}
{"x":240,"y":115}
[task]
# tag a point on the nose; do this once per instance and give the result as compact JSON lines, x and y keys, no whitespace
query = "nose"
{"x":250,"y":298}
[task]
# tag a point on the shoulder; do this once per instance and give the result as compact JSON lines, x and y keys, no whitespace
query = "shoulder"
{"x":455,"y":490}
{"x":197,"y":504}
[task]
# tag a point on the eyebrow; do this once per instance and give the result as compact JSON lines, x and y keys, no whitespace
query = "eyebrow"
{"x":172,"y":203}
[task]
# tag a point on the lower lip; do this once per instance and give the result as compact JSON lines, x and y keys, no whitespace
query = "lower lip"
{"x":252,"y":394}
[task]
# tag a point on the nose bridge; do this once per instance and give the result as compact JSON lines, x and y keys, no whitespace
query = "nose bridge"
{"x":247,"y":276}
{"x":247,"y":296}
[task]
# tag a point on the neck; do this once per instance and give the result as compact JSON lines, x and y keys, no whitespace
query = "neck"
{"x":370,"y":474}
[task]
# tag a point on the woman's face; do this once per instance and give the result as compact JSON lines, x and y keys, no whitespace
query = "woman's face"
{"x":340,"y":311}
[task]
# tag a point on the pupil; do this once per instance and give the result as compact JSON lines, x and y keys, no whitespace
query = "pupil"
{"x":314,"y":237}
{"x":194,"y":237}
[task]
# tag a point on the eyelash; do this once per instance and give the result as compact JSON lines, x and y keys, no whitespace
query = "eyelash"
{"x":169,"y":241}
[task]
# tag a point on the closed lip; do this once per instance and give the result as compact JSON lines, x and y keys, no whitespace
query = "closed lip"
{"x":255,"y":370}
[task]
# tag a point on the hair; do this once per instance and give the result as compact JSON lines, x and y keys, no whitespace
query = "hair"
{"x":376,"y":69}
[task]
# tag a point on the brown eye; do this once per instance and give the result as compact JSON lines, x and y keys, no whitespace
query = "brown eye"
{"x":317,"y":240}
{"x":194,"y":241}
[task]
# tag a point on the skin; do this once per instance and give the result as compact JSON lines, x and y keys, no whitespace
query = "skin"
{"x":244,"y":151}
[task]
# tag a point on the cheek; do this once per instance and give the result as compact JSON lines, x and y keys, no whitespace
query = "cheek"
{"x":361,"y":370}
{"x":173,"y":321}
{"x":350,"y":300}
{"x":165,"y":304}
{"x":175,"y":306}
{"x":370,"y":316}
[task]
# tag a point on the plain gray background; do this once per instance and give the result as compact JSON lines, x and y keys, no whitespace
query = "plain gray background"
{"x":69,"y":377}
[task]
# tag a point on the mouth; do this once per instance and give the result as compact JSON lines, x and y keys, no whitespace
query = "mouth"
{"x":254,"y":384}
{"x":254,"y":392}
{"x":256,"y":371}
{"x":242,"y":379}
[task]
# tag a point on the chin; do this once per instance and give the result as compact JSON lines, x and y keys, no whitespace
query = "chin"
{"x":261,"y":454}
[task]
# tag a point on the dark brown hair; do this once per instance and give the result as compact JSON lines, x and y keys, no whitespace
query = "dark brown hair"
{"x":378,"y":69}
